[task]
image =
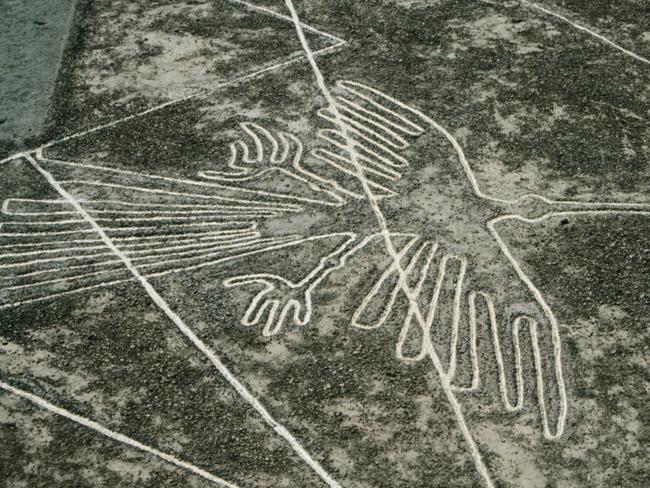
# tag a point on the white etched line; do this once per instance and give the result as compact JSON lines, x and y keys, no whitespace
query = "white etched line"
{"x":60,"y":259}
{"x":198,"y":343}
{"x":382,"y":172}
{"x":14,"y":157}
{"x":42,"y":222}
{"x":47,"y":243}
{"x":116,"y":229}
{"x":192,"y":96}
{"x":403,"y":280}
{"x":389,"y":157}
{"x":194,"y":240}
{"x":273,"y":244}
{"x":144,"y":209}
{"x":323,"y":156}
{"x":155,"y":179}
{"x":186,"y":236}
{"x":384,"y":167}
{"x":398,"y":143}
{"x":269,"y":245}
{"x":458,"y":295}
{"x":151,"y":246}
{"x":49,"y":271}
{"x":156,"y":252}
{"x":377,"y":128}
{"x":284,"y":17}
{"x":405,"y":125}
{"x":67,"y":279}
{"x":146,"y":253}
{"x":73,"y":249}
{"x":262,"y":207}
{"x":169,"y":220}
{"x":116,"y":436}
{"x":362,"y":140}
{"x":148,"y":215}
{"x":103,"y":204}
{"x":160,"y":260}
{"x":163,"y":243}
{"x":141,"y":261}
{"x":75,"y":291}
{"x":588,"y":31}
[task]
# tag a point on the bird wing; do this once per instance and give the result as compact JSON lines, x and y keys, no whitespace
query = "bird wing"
{"x":367,"y":130}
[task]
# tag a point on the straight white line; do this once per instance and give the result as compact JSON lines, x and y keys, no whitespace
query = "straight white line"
{"x":13,"y":157}
{"x":197,"y":183}
{"x":155,"y":108}
{"x":339,"y":42}
{"x":200,"y":236}
{"x":146,"y":214}
{"x":287,"y":18}
{"x":588,"y":31}
{"x":115,"y":435}
{"x":196,"y":249}
{"x":112,"y":229}
{"x":180,"y":100}
{"x":140,"y":260}
{"x":403,"y":277}
{"x":262,"y":206}
{"x":198,"y":343}
{"x":242,"y":245}
{"x":105,"y":284}
{"x":276,"y":244}
{"x":103,"y":204}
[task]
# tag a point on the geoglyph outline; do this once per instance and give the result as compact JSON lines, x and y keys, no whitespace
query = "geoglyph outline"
{"x":564,"y":208}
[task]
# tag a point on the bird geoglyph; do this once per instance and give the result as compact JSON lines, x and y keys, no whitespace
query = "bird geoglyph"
{"x":452,"y":276}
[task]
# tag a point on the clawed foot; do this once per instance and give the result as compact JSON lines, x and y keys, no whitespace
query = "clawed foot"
{"x":279,"y":301}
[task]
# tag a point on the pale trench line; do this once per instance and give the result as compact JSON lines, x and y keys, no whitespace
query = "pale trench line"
{"x":588,"y":31}
{"x":275,"y":245}
{"x":155,"y":108}
{"x":153,"y":260}
{"x":198,"y":343}
{"x":104,"y":203}
{"x":142,"y":240}
{"x":271,"y":206}
{"x":181,"y":100}
{"x":287,"y":18}
{"x":403,"y":279}
{"x":144,"y":255}
{"x":116,"y":436}
{"x":242,"y":248}
{"x":155,"y":246}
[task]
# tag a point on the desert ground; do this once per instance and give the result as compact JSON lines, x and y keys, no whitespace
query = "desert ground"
{"x":324,"y":243}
